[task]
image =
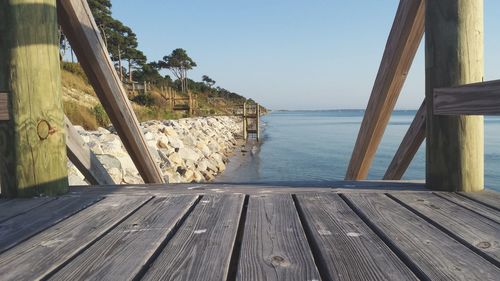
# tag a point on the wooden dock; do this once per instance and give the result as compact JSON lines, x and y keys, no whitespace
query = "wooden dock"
{"x":227,"y":232}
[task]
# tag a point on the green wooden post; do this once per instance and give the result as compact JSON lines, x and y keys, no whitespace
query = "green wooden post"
{"x":454,"y":56}
{"x":32,"y":143}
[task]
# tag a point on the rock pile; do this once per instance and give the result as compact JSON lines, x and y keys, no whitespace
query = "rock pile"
{"x":186,"y":150}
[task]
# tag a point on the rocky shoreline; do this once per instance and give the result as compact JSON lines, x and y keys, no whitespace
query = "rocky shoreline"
{"x":186,"y":150}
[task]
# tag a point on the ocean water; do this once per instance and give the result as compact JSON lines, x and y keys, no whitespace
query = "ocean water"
{"x":316,"y":146}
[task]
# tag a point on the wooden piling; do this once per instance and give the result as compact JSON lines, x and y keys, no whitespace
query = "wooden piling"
{"x":245,"y":121}
{"x":454,"y":56}
{"x":257,"y":121}
{"x":32,"y":142}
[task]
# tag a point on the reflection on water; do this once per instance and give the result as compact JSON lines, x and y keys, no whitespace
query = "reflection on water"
{"x":317,"y":145}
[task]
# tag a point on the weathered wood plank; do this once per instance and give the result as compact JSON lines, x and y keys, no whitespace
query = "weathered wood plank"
{"x":202,"y":247}
{"x":402,"y":44}
{"x":274,"y":245}
{"x":123,"y":252}
{"x":4,"y":107}
{"x":409,"y":146}
{"x":479,"y":232}
{"x":21,"y":227}
{"x":454,"y":48}
{"x":343,"y":240}
{"x":82,"y":32}
{"x":472,"y":205}
{"x":433,"y":254}
{"x":15,"y":207}
{"x":42,"y":254}
{"x":33,"y":146}
{"x":83,"y":158}
{"x":486,"y":197}
{"x":472,"y":99}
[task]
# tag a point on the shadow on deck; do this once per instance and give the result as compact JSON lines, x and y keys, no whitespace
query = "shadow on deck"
{"x":346,"y":231}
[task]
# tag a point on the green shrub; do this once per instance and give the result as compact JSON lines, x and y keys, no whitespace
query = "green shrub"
{"x":144,"y":99}
{"x":75,"y":68}
{"x":100,"y":115}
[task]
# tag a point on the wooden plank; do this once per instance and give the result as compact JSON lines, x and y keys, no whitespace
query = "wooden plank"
{"x":478,"y":232}
{"x":33,"y":151}
{"x":472,"y":99}
{"x":82,"y":32}
{"x":83,"y":158}
{"x":202,"y":247}
{"x":472,"y":205}
{"x":454,"y":144}
{"x":402,"y":44}
{"x":341,"y":239}
{"x":430,"y":252}
{"x":409,"y":146}
{"x":4,"y":106}
{"x":126,"y":250}
{"x":67,"y":239}
{"x":22,"y":227}
{"x":274,"y":245}
{"x":486,"y":197}
{"x":15,"y":207}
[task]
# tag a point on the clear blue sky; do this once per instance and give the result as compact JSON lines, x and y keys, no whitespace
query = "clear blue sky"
{"x":288,"y":54}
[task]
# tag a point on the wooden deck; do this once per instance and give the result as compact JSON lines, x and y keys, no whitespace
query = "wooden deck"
{"x":227,"y":232}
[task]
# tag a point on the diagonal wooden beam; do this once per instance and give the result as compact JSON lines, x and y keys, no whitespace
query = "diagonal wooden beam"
{"x":80,"y":28}
{"x":402,"y":44}
{"x":409,"y":146}
{"x":83,"y":158}
{"x":471,"y":99}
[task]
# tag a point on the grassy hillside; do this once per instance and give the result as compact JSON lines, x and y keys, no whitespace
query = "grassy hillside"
{"x":83,"y":107}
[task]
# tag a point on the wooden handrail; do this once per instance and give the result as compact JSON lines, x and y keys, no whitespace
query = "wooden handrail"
{"x":402,"y":44}
{"x":471,"y":99}
{"x":409,"y":146}
{"x":83,"y":158}
{"x":81,"y":30}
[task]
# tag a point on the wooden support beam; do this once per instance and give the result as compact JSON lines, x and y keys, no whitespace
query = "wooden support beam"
{"x":32,"y":146}
{"x":402,"y":44}
{"x":257,"y":121}
{"x":472,"y":99}
{"x":245,"y":121}
{"x":83,"y":158}
{"x":454,"y":56}
{"x":409,"y":146}
{"x":83,"y":34}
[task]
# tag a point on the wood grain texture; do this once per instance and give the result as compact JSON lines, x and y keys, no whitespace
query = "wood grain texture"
{"x":15,"y":207}
{"x":342,"y":240}
{"x":4,"y":107}
{"x":22,"y":227}
{"x":472,"y":99}
{"x":412,"y":141}
{"x":402,"y":44}
{"x":202,"y":247}
{"x":479,"y":232}
{"x":486,"y":197}
{"x":123,"y":252}
{"x":472,"y":205}
{"x":436,"y":255}
{"x":274,"y":245}
{"x":454,"y":46}
{"x":83,"y":158}
{"x":45,"y":252}
{"x":84,"y":36}
{"x":32,"y":142}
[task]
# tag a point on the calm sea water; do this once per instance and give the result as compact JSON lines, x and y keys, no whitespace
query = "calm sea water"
{"x":317,"y":145}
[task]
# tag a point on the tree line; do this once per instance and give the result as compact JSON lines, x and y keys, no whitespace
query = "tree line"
{"x":132,"y":64}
